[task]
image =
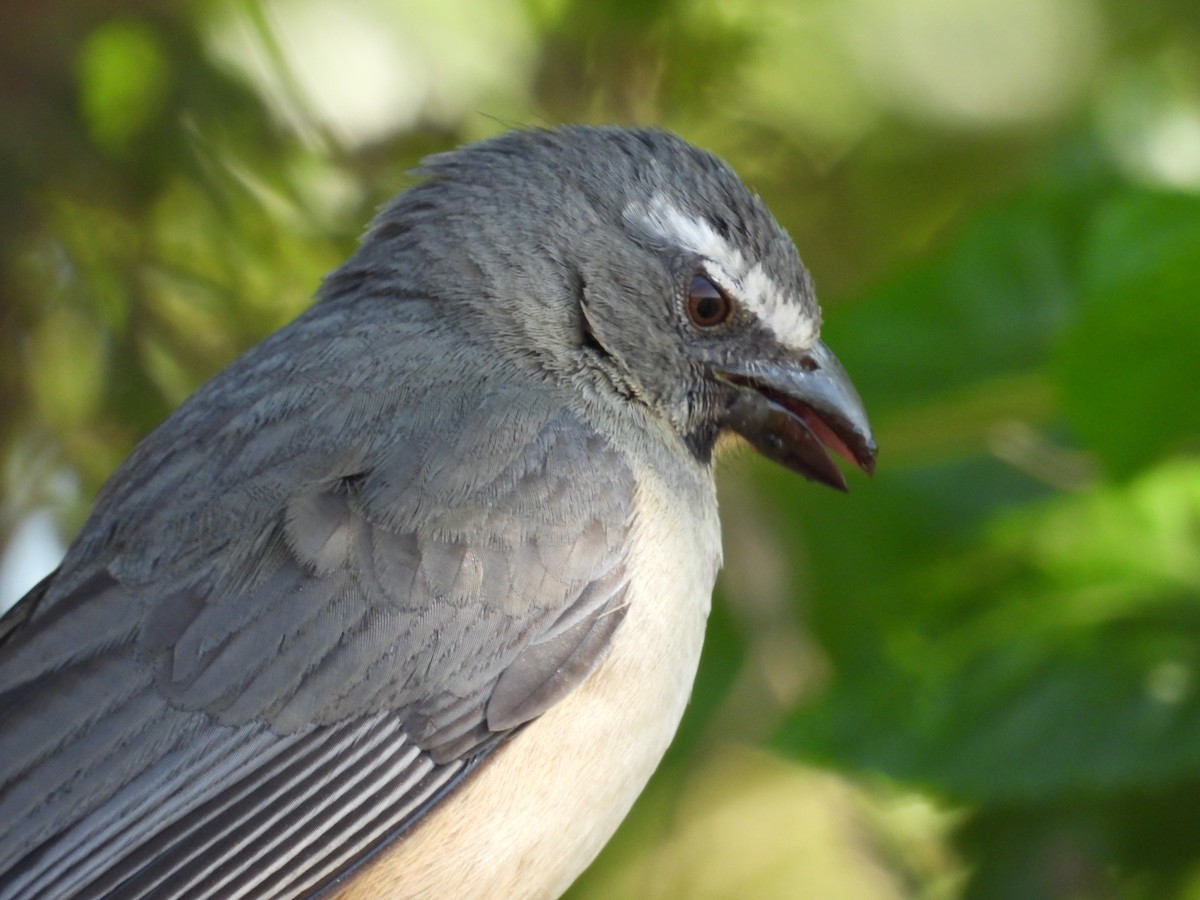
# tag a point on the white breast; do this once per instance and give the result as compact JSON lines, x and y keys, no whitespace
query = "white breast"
{"x":537,"y":813}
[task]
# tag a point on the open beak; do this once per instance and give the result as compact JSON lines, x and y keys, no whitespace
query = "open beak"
{"x":796,"y":411}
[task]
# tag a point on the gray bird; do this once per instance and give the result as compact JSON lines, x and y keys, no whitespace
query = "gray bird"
{"x":408,"y":600}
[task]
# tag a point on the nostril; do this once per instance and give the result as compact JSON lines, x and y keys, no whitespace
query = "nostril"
{"x":808,"y":364}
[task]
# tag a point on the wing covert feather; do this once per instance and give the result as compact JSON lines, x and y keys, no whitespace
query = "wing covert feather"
{"x":267,"y":662}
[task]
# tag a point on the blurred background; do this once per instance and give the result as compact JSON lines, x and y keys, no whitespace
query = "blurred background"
{"x":975,"y":676}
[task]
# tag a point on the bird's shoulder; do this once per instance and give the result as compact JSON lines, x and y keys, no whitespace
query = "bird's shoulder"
{"x":362,"y":553}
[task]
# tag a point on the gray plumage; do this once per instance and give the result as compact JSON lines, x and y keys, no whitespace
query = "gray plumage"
{"x":385,"y":539}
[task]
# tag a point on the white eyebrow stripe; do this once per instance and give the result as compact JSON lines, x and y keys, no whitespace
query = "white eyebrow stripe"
{"x":787,"y":320}
{"x":751,"y":285}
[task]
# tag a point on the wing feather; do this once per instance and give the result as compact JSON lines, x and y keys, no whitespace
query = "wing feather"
{"x":258,"y":667}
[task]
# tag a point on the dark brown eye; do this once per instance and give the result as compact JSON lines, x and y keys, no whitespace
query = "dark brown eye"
{"x":707,"y":305}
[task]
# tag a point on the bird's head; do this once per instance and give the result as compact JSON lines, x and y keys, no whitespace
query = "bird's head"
{"x":633,"y":259}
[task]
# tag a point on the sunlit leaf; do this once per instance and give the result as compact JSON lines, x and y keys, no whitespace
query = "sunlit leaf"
{"x":1063,"y":655}
{"x":124,"y":78}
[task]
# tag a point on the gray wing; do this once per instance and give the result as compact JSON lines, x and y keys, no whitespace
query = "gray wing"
{"x":261,"y":663}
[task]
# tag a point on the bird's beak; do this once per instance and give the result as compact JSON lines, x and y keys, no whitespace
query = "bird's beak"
{"x":795,"y":411}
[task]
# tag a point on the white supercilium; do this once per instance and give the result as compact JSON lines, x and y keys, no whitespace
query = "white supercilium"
{"x":747,"y":283}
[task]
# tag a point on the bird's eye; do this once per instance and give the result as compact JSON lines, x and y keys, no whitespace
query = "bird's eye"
{"x":707,"y":305}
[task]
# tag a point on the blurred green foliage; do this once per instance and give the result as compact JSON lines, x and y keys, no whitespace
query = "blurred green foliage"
{"x":996,"y":643}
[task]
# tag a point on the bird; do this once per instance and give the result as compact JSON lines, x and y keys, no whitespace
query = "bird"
{"x":408,"y":600}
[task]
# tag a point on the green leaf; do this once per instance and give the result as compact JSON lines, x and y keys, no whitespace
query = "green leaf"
{"x":1130,"y":364}
{"x":1061,"y":655}
{"x":124,"y":79}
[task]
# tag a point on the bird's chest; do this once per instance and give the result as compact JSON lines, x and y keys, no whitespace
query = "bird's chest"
{"x":674,"y":558}
{"x":530,"y":820}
